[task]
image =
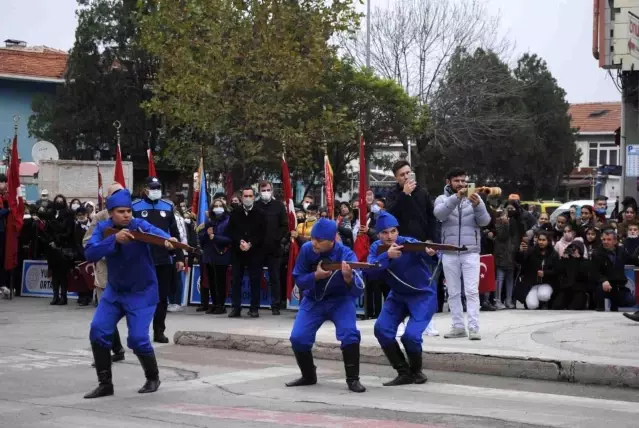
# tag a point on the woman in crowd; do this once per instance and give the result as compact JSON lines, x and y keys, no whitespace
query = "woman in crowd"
{"x":345,"y":224}
{"x":542,"y":222}
{"x":81,"y":227}
{"x":586,"y":220}
{"x":90,"y":206}
{"x":568,"y":237}
{"x":574,"y":276}
{"x":574,"y":218}
{"x":505,"y":245}
{"x":75,"y":204}
{"x":323,"y":212}
{"x":215,"y":244}
{"x":538,"y":266}
{"x":560,"y":224}
{"x":592,"y":241}
{"x":59,"y":230}
{"x":629,"y":217}
{"x":631,"y":241}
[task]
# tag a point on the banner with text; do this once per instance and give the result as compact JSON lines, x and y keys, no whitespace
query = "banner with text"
{"x":265,"y":291}
{"x":35,"y":282}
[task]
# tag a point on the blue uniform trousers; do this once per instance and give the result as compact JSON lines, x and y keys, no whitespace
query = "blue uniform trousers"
{"x":312,"y":314}
{"x":138,"y":321}
{"x":420,"y":309}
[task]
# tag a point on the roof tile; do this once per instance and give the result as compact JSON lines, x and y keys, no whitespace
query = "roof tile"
{"x":596,"y":117}
{"x":46,"y":62}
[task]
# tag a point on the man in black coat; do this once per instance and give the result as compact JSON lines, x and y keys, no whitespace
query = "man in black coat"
{"x":411,"y":205}
{"x":610,"y":276}
{"x":247,"y":229}
{"x":276,"y":230}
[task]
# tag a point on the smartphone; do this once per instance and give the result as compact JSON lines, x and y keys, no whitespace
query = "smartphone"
{"x":471,"y":189}
{"x":411,"y":176}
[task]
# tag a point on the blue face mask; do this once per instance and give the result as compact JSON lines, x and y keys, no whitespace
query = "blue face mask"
{"x":600,"y":211}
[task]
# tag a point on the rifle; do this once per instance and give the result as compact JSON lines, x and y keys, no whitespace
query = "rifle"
{"x":418,"y":247}
{"x":154,"y":240}
{"x":355,"y":265}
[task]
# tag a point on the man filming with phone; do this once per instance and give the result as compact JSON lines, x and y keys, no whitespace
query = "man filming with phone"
{"x":462,"y":214}
{"x":411,"y":205}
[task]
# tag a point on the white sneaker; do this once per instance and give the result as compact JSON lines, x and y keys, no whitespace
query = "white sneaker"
{"x":5,"y":292}
{"x":474,"y":335}
{"x":430,"y":330}
{"x":500,"y":306}
{"x":456,"y":333}
{"x":178,"y":308}
{"x":171,"y":308}
{"x":510,"y":305}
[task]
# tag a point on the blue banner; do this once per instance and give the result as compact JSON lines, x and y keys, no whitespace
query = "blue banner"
{"x":294,"y":302}
{"x":265,"y":292}
{"x":35,"y":282}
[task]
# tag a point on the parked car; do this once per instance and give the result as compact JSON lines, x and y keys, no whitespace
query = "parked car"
{"x":547,"y":207}
{"x":566,"y":207}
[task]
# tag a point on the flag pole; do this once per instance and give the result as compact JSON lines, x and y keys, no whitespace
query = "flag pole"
{"x":12,"y":274}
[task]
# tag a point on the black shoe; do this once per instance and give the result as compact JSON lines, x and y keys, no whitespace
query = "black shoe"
{"x":202,"y":309}
{"x":634,"y":317}
{"x":160,"y":338}
{"x":218,"y":311}
{"x":62,"y":301}
{"x":275,"y":311}
{"x":102,"y":359}
{"x":488,"y":307}
{"x":254,"y":314}
{"x":398,"y":361}
{"x":83,"y":302}
{"x":117,"y":356}
{"x":415,"y":363}
{"x":235,"y":313}
{"x":350,"y":353}
{"x":151,"y":372}
{"x":307,"y":367}
{"x":55,"y":300}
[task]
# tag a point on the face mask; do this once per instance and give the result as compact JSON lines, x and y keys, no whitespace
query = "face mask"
{"x":300,"y":220}
{"x":218,"y":211}
{"x":154,"y":195}
{"x":375,"y":209}
{"x":568,"y":237}
{"x":82,"y":221}
{"x":248,"y":202}
{"x":266,"y":196}
{"x":59,"y":205}
{"x":600,"y":211}
{"x":305,"y":205}
{"x":311,"y":218}
{"x":633,"y":235}
{"x":187,"y":220}
{"x":75,"y":206}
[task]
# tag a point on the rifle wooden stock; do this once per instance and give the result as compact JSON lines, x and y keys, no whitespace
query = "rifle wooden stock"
{"x":417,"y":247}
{"x":354,"y":265}
{"x":154,"y":240}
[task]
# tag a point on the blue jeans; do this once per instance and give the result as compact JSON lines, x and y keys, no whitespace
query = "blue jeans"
{"x":506,"y":276}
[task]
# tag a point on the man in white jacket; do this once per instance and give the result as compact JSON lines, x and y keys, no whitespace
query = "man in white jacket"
{"x":462,"y":217}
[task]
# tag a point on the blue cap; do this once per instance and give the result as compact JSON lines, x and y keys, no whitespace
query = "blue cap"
{"x":385,"y":221}
{"x":324,"y":230}
{"x":120,"y":199}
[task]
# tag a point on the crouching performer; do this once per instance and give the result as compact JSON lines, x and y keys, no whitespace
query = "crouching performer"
{"x":328,"y":295}
{"x":132,"y":292}
{"x":412,"y":294}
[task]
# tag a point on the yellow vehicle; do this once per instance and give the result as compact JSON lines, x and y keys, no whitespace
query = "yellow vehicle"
{"x":544,"y":206}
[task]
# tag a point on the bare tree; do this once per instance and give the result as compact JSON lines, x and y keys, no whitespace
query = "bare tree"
{"x":413,"y":41}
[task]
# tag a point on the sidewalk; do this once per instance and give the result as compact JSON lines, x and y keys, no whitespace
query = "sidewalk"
{"x":583,"y":347}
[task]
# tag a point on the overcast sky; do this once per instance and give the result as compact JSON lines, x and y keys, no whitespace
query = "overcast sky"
{"x":560,"y":31}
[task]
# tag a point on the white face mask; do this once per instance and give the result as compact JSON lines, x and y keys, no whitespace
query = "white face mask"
{"x":633,"y":235}
{"x":154,"y":195}
{"x":248,"y":202}
{"x":266,"y":196}
{"x":375,"y":209}
{"x":75,"y":206}
{"x":187,"y":220}
{"x":305,"y":205}
{"x":218,"y":210}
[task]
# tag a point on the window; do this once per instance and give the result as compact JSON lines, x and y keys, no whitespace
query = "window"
{"x":603,"y":154}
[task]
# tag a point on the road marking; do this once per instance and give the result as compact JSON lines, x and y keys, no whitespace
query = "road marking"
{"x":285,"y":418}
{"x":505,"y":394}
{"x":231,"y":378}
{"x":33,"y":361}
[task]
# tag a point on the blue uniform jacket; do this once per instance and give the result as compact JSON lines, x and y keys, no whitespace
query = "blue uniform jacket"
{"x":333,"y":286}
{"x":160,"y":214}
{"x":409,"y":274}
{"x":131,"y":278}
{"x":217,"y":250}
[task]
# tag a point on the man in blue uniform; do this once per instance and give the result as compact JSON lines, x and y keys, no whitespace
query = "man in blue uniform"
{"x":132,"y":292}
{"x":159,"y":213}
{"x":412,"y":294}
{"x":327,"y":296}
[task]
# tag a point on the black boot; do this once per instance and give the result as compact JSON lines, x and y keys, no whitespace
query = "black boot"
{"x":159,"y":337}
{"x":415,"y":362}
{"x":307,"y":367}
{"x":56,"y":293}
{"x":634,"y":317}
{"x":63,"y":295}
{"x":350,"y":353}
{"x":398,"y":361}
{"x":235,"y":313}
{"x":102,"y":358}
{"x":150,"y":366}
{"x":204,"y":305}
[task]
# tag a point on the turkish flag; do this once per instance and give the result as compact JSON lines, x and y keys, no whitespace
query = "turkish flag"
{"x":118,"y":173}
{"x":486,"y":274}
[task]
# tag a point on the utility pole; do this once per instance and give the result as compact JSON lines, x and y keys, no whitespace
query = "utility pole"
{"x":368,"y":33}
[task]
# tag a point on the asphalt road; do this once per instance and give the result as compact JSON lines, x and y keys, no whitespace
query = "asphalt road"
{"x":45,"y":370}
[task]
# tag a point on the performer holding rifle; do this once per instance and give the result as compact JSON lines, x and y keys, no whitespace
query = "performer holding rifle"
{"x":412,"y":294}
{"x":132,"y":291}
{"x":328,"y":295}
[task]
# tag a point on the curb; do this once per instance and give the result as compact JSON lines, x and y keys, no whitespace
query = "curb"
{"x":507,"y":366}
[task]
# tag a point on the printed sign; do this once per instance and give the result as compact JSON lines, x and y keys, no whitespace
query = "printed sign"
{"x":632,"y":161}
{"x":265,"y":293}
{"x":633,"y":34}
{"x":35,"y":282}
